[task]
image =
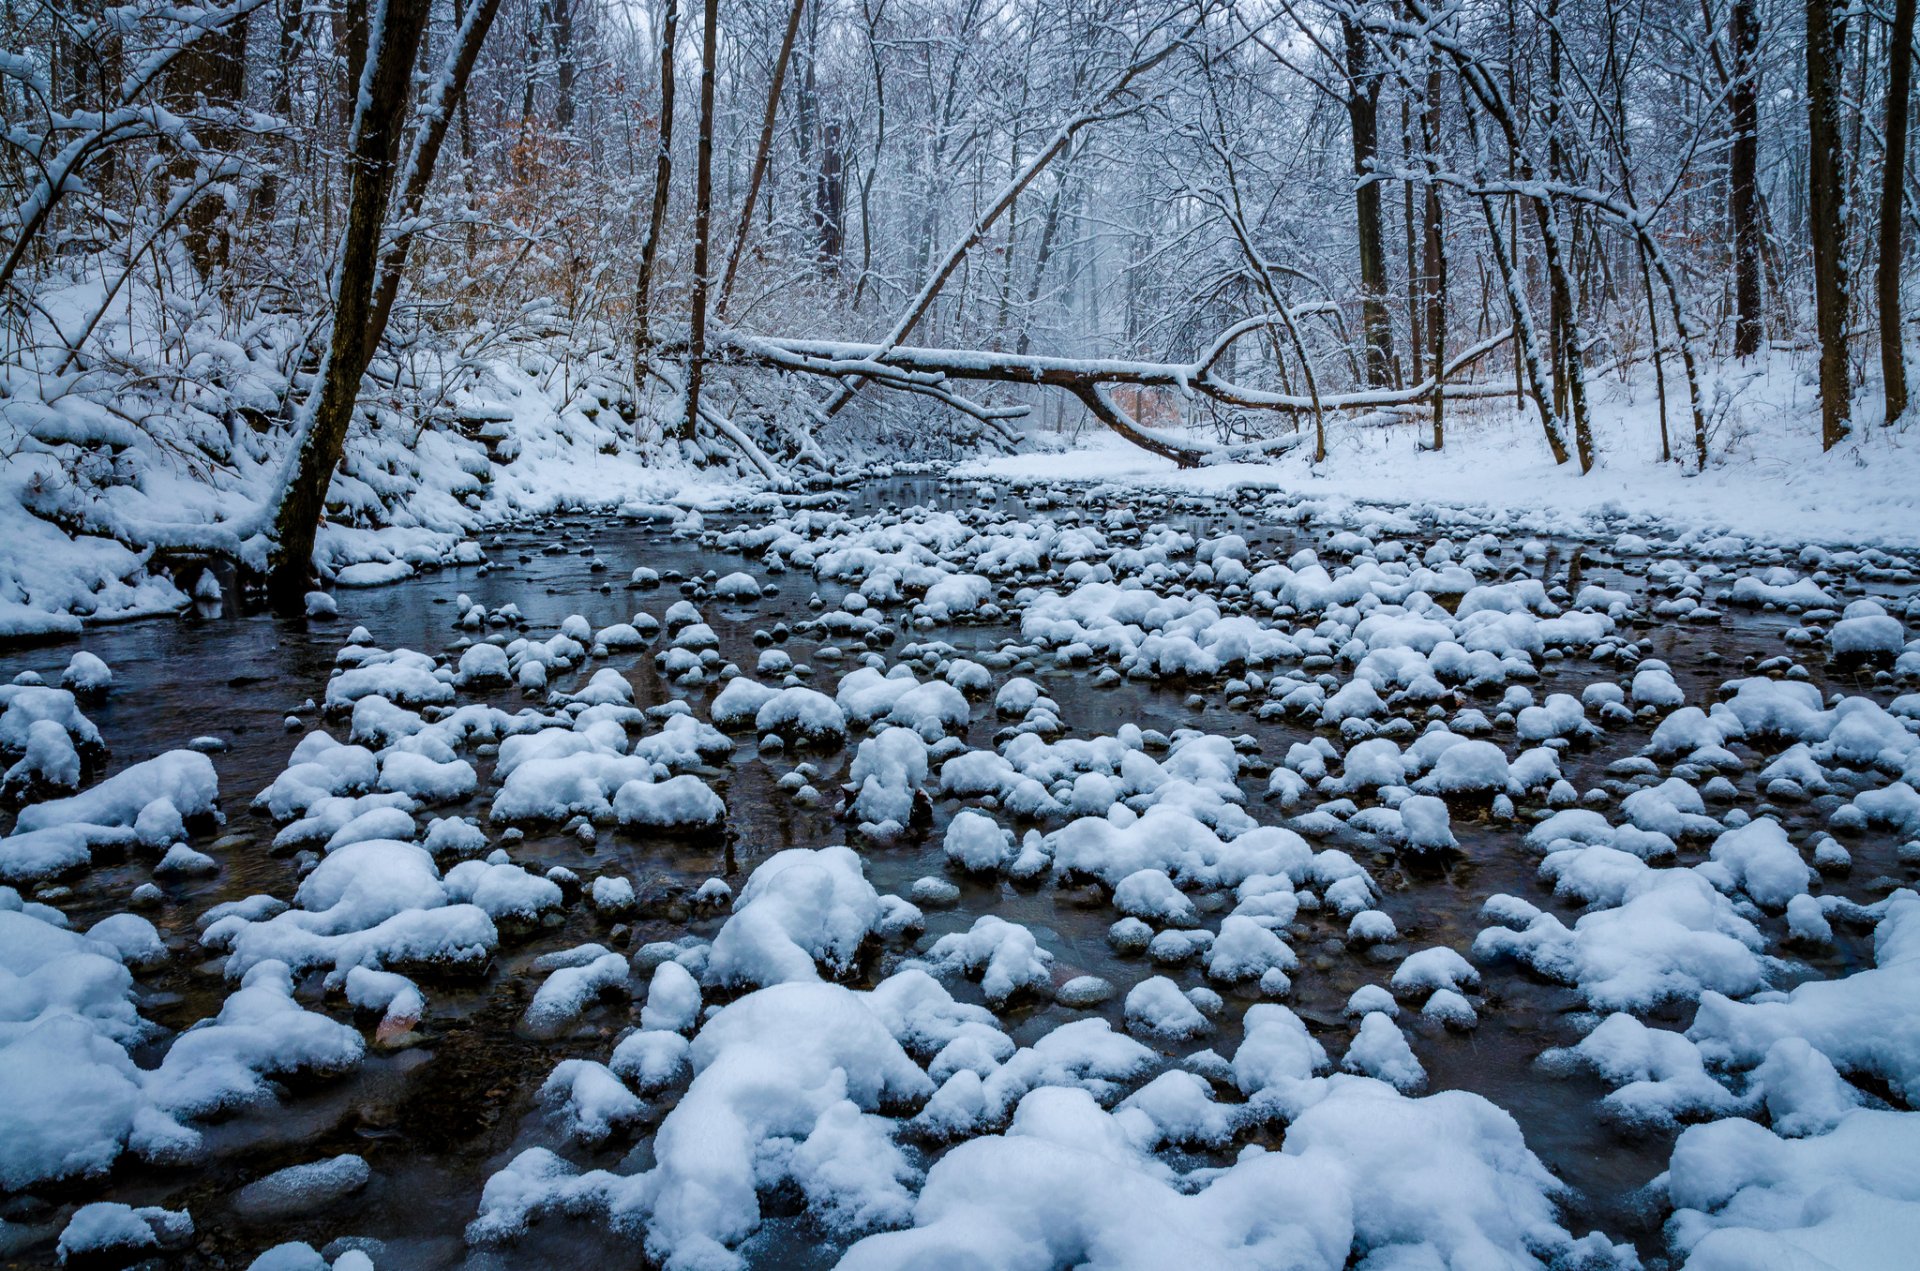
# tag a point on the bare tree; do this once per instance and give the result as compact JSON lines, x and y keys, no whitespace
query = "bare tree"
{"x":662,"y":188}
{"x":1743,"y":95}
{"x":1893,"y":363}
{"x":702,"y":223}
{"x":1826,"y":195}
{"x":378,"y":124}
{"x":1363,"y":127}
{"x":761,"y":154}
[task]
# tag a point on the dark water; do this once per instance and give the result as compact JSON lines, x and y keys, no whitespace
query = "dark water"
{"x":435,"y":1118}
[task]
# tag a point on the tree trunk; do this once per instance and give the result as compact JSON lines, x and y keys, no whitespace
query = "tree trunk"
{"x":761,"y":154}
{"x":657,"y":218}
{"x":212,"y":70}
{"x":1363,"y":105}
{"x":350,"y":46}
{"x":1659,"y":364}
{"x":1893,"y":364}
{"x":830,"y":201}
{"x":1434,"y":282}
{"x":1559,"y":299}
{"x":1416,"y":344}
{"x":536,"y":51}
{"x":1826,"y":197}
{"x":1743,"y":99}
{"x":329,"y":407}
{"x":292,"y":16}
{"x":444,"y":95}
{"x":564,"y":68}
{"x":1049,"y":230}
{"x":702,"y":222}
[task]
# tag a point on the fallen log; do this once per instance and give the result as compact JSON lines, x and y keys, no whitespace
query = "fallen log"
{"x":930,"y":372}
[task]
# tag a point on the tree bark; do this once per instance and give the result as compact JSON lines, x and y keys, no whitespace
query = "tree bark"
{"x":830,"y":201}
{"x":444,"y":97}
{"x":212,"y":70}
{"x":565,"y":68}
{"x":1893,"y":364}
{"x":1743,"y":98}
{"x":657,"y":217}
{"x":350,"y":43}
{"x":329,"y":407}
{"x":1434,"y":282}
{"x":1826,"y":179}
{"x":761,"y":154}
{"x":1416,"y":342}
{"x":702,"y":222}
{"x":1363,"y":108}
{"x":926,"y":371}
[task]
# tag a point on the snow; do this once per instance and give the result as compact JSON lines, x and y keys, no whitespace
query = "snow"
{"x":568,"y":991}
{"x":1380,"y":1050}
{"x":182,"y":778}
{"x":1658,"y":935}
{"x":1004,"y":955}
{"x":809,"y":1062}
{"x":967,"y":1107}
{"x":301,"y":1189}
{"x":1744,"y":1197}
{"x":801,"y":910}
{"x":1156,"y":1008}
{"x":592,"y":1101}
{"x":106,"y":1230}
{"x":678,"y":803}
{"x":1773,"y":485}
{"x":673,"y":1000}
{"x":886,"y":772}
{"x":86,"y":674}
{"x":975,"y":842}
{"x":1761,"y":862}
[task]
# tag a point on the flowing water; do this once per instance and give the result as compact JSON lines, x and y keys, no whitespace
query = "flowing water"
{"x":434,"y":1118}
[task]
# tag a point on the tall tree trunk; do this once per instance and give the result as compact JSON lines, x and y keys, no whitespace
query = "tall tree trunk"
{"x":1893,"y":363}
{"x":1363,"y":108}
{"x":830,"y":202}
{"x":211,"y":71}
{"x":1527,"y":351}
{"x":872,"y":16}
{"x":1547,"y":223}
{"x":702,"y":222}
{"x":761,"y":154}
{"x":1659,"y":363}
{"x":1049,"y":231}
{"x":564,"y":65}
{"x":350,"y":44}
{"x":1559,"y":299}
{"x":292,"y":16}
{"x":657,"y":217}
{"x":1416,"y":344}
{"x":445,"y":93}
{"x":1434,"y":281}
{"x":1743,"y":99}
{"x":1826,"y":197}
{"x":329,"y":407}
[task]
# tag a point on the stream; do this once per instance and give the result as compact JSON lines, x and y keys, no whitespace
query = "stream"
{"x":436,"y":1115}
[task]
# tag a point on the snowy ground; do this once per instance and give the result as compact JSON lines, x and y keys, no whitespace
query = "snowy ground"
{"x":1767,"y":480}
{"x":510,"y":428}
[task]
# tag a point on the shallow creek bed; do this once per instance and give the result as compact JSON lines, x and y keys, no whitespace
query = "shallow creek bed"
{"x":933,"y":874}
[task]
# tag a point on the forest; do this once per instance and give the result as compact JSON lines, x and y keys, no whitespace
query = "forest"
{"x":951,"y":634}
